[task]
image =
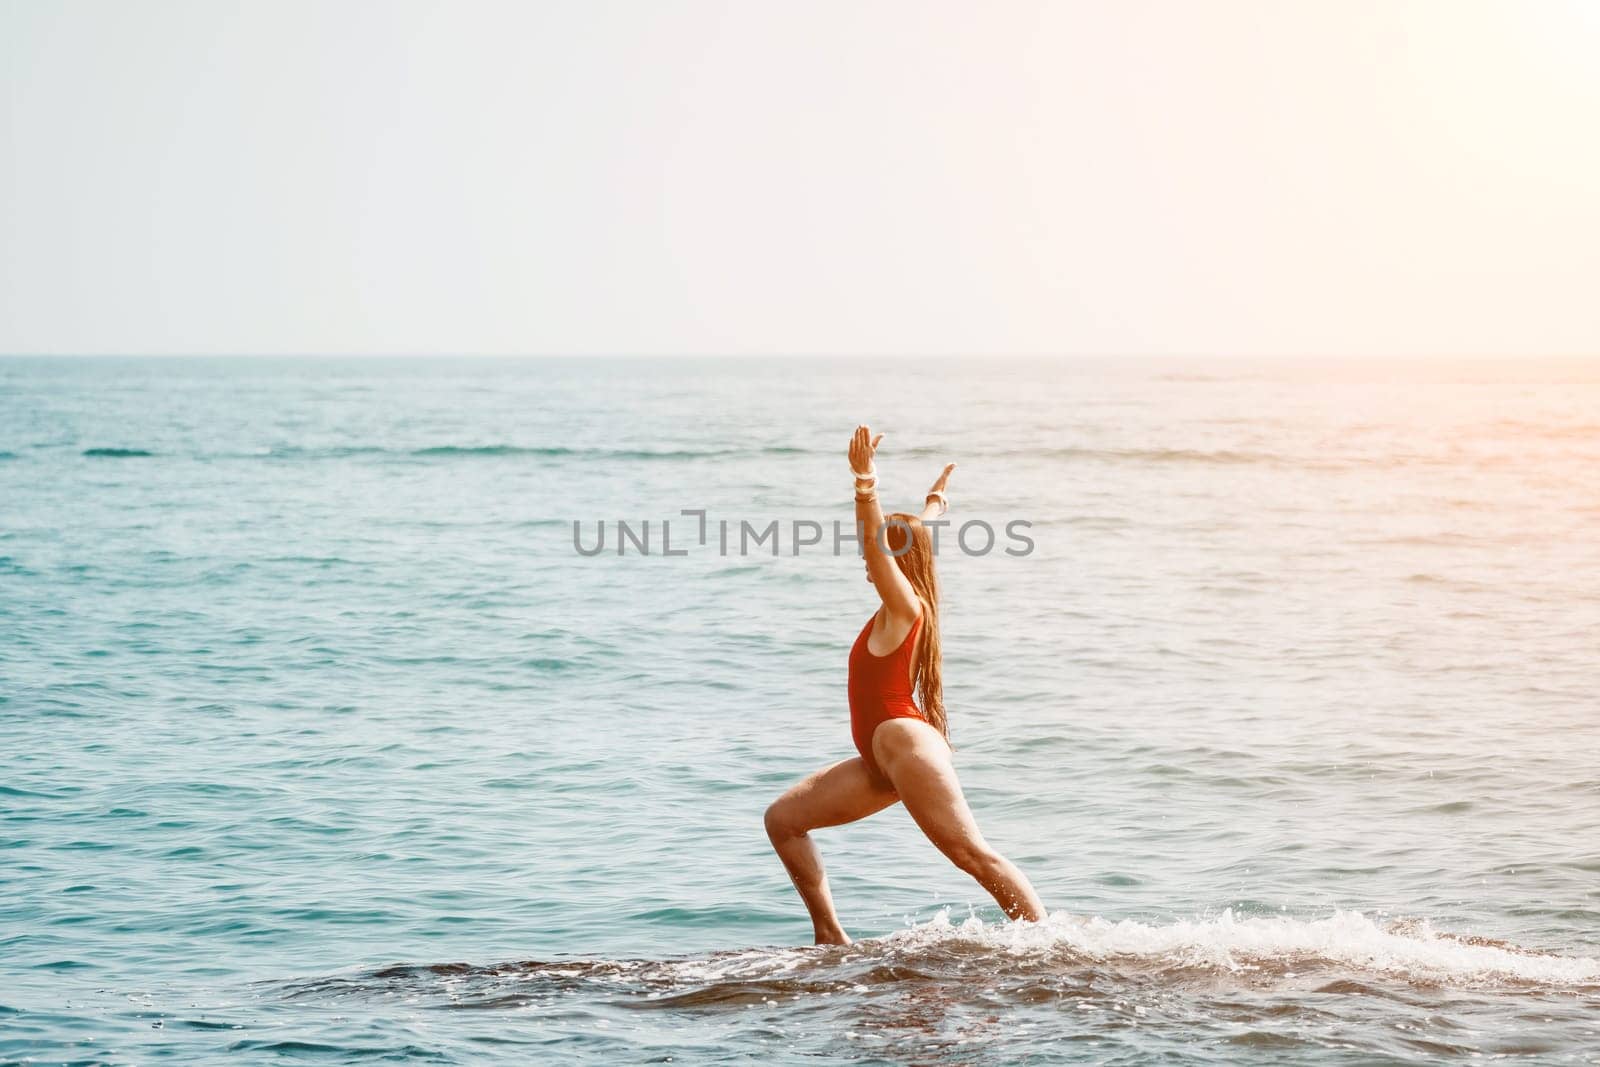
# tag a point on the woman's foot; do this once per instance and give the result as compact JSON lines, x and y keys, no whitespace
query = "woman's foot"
{"x":836,"y":936}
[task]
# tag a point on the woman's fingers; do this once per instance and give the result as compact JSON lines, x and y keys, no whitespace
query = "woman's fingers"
{"x":862,"y":445}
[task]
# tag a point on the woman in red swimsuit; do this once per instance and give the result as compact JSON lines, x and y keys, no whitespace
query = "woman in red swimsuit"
{"x":905,"y":752}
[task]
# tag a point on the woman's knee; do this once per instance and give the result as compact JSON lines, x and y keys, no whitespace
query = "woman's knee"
{"x":780,"y":825}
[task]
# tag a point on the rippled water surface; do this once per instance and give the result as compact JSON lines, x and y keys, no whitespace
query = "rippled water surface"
{"x":319,"y":739}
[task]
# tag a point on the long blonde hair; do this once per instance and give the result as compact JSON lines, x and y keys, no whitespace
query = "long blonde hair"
{"x":916,"y":563}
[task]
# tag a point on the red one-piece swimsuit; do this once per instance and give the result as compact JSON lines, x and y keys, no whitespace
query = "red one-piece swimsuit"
{"x":880,"y":690}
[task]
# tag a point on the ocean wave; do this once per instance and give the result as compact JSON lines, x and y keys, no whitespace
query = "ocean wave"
{"x":298,"y":452}
{"x":1174,"y":456}
{"x":1407,"y":948}
{"x":599,"y":453}
{"x":1342,"y":950}
{"x":494,"y":450}
{"x":1112,"y":454}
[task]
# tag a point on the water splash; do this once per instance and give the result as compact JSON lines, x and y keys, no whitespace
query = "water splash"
{"x":1014,"y":960}
{"x":1409,"y":949}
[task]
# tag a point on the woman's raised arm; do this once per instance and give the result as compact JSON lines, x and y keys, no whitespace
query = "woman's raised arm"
{"x":894,"y":589}
{"x":936,"y":503}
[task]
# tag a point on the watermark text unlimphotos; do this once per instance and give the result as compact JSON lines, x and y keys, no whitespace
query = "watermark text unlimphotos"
{"x":741,"y":537}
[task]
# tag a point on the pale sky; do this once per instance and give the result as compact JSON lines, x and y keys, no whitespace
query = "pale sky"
{"x":1269,"y":177}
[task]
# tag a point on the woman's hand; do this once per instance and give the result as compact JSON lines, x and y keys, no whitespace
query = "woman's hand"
{"x":936,"y":503}
{"x":863,"y":447}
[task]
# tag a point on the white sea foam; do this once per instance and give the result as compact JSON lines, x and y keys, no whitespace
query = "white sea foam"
{"x":1414,"y":951}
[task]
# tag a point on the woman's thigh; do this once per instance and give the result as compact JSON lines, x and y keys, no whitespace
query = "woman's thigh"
{"x":917,"y":761}
{"x":832,"y":796}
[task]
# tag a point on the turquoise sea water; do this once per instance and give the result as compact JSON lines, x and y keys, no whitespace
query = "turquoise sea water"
{"x":319,"y":740}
